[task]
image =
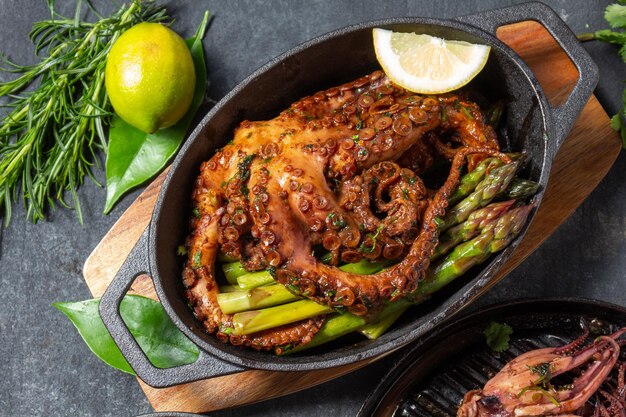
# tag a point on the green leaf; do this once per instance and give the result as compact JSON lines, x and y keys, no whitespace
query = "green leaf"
{"x":497,"y":335}
{"x":615,"y":14}
{"x":134,"y":156}
{"x":164,"y":345}
{"x":616,"y":122}
{"x":85,"y":316}
{"x":610,"y":36}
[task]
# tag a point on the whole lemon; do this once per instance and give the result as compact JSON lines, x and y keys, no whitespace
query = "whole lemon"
{"x":150,"y":77}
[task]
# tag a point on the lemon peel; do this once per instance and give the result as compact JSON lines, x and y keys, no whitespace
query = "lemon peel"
{"x":150,"y":77}
{"x":426,"y":64}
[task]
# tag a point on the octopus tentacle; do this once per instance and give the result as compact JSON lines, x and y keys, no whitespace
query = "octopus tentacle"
{"x":202,"y":289}
{"x":336,"y":171}
{"x":365,"y":293}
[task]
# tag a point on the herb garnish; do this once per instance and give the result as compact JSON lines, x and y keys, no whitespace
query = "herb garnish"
{"x":370,"y":249}
{"x":543,"y":384}
{"x":244,"y":173}
{"x":497,"y":335}
{"x":615,"y":15}
{"x":50,"y":136}
{"x":197,"y":259}
{"x":337,"y":221}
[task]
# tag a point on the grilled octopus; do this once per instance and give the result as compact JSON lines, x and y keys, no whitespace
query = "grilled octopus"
{"x":510,"y":393}
{"x":337,"y":170}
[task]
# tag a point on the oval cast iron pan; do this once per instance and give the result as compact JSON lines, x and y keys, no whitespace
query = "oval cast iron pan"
{"x":531,"y":126}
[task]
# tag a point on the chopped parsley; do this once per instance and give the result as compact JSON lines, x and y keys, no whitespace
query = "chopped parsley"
{"x":226,"y":330}
{"x":366,"y":249}
{"x":466,"y":113}
{"x":197,"y":259}
{"x":498,"y":335}
{"x":543,"y":384}
{"x":244,"y":172}
{"x":337,"y":221}
{"x":293,"y":289}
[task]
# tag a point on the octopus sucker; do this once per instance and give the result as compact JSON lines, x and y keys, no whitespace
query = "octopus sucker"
{"x":338,"y":170}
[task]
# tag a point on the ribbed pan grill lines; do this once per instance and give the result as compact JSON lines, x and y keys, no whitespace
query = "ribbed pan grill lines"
{"x":440,"y":395}
{"x":431,"y":378}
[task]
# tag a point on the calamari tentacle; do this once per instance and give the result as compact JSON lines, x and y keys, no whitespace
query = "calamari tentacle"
{"x":507,"y":393}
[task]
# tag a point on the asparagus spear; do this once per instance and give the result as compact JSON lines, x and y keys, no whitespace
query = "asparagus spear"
{"x":254,"y":279}
{"x":341,"y":324}
{"x":364,"y":267}
{"x":469,"y":181}
{"x":254,"y":298}
{"x":494,"y":237}
{"x":476,"y":222}
{"x":494,"y":183}
{"x":375,"y":330}
{"x":232,"y":271}
{"x":269,"y":296}
{"x":254,"y":321}
{"x":520,"y":188}
{"x":471,"y":227}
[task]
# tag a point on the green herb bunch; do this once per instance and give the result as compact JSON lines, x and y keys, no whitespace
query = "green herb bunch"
{"x":51,"y":133}
{"x":615,"y":15}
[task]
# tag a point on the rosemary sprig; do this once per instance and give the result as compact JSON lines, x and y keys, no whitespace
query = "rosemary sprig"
{"x":50,"y":135}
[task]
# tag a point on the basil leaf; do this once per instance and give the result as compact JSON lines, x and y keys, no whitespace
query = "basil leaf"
{"x":164,"y":345}
{"x":135,"y":157}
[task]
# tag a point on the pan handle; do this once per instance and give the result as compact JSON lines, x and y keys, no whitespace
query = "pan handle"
{"x":206,"y":366}
{"x":566,"y":114}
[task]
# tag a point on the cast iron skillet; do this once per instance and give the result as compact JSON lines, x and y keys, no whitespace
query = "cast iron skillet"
{"x":532,"y":126}
{"x":431,"y":378}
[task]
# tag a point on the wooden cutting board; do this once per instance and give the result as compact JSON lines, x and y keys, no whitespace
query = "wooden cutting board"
{"x":582,"y":162}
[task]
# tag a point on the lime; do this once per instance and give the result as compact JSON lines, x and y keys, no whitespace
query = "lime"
{"x":150,"y":77}
{"x":427,"y":64}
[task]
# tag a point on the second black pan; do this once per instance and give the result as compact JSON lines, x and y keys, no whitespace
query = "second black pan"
{"x":430,"y":379}
{"x":532,"y":126}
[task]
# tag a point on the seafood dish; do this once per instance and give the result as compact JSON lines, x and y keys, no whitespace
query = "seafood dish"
{"x":526,"y":386}
{"x":339,"y":170}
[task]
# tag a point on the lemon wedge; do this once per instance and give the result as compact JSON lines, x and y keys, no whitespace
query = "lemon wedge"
{"x":427,"y":64}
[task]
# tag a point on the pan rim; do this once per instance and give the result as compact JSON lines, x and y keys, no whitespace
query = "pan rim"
{"x":442,"y":312}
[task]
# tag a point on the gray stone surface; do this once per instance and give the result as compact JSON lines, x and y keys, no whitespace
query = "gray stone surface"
{"x":45,"y":368}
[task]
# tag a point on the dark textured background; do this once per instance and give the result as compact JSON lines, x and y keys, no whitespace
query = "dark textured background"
{"x":45,"y":368}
